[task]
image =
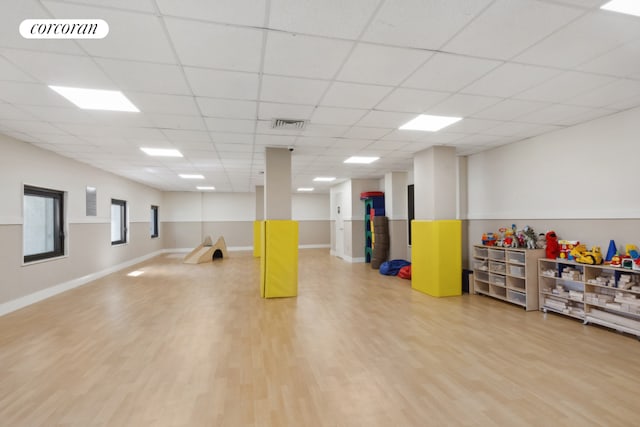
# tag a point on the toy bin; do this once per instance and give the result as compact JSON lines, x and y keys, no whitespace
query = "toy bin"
{"x":497,"y":267}
{"x":496,"y":254}
{"x":495,"y":279}
{"x":515,"y":257}
{"x":516,"y":270}
{"x":516,"y":297}
{"x":480,"y":252}
{"x":482,"y":276}
{"x":480,"y":265}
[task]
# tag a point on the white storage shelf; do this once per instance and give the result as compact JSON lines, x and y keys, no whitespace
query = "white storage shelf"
{"x":600,"y":294}
{"x":507,"y":274}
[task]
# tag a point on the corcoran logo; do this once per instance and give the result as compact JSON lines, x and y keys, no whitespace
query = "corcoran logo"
{"x":64,"y":29}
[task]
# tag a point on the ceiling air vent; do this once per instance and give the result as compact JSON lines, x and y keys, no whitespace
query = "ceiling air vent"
{"x":288,"y":124}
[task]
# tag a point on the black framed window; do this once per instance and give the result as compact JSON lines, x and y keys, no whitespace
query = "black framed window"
{"x":118,"y":222}
{"x":155,"y":232}
{"x":43,"y":223}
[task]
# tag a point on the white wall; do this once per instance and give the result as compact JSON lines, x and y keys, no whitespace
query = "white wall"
{"x":587,"y":171}
{"x":310,"y":207}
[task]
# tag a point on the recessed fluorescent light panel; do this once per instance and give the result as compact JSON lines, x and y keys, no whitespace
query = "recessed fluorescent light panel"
{"x":161,"y":152}
{"x":630,"y":7}
{"x":324,"y":178}
{"x":206,"y":188}
{"x":191,"y":176}
{"x":361,"y":160}
{"x":429,"y":123}
{"x":303,"y":189}
{"x":97,"y":99}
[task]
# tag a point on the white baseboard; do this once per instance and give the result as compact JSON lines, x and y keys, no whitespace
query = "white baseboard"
{"x":319,"y":246}
{"x":354,"y":260}
{"x":35,"y":297}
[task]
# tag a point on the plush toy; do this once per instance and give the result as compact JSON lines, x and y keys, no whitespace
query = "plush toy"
{"x":530,"y":238}
{"x":553,"y":249}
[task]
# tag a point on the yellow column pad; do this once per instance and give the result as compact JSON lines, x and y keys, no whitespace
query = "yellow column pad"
{"x":257,"y":242}
{"x":436,"y":257}
{"x":279,"y":260}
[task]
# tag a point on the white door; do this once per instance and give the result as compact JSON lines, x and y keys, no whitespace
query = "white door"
{"x":339,"y":225}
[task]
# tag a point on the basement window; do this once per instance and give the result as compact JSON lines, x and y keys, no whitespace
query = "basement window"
{"x":118,"y":222}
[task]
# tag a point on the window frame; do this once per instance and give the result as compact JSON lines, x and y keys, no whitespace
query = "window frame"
{"x":155,"y":230}
{"x":58,"y":223}
{"x":123,"y":224}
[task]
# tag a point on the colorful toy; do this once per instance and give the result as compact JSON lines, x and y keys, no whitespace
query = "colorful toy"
{"x":592,"y":257}
{"x":489,"y":239}
{"x":553,"y":248}
{"x":577,"y":251}
{"x":530,"y":238}
{"x":617,"y":260}
{"x":611,"y":251}
{"x":565,"y":248}
{"x":632,"y":251}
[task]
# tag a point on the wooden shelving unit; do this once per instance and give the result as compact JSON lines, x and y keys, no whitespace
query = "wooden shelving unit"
{"x":508,"y":274}
{"x":600,"y":294}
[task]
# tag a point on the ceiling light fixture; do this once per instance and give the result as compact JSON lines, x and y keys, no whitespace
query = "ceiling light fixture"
{"x":429,"y":123}
{"x":303,"y":189}
{"x":161,"y":152}
{"x":97,"y":99}
{"x":206,"y":188}
{"x":135,"y":273}
{"x":324,"y":178}
{"x":629,"y":7}
{"x":191,"y":176}
{"x":361,"y":160}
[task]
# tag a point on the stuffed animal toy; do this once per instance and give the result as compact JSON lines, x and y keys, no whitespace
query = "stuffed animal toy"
{"x":530,"y":238}
{"x":553,"y":248}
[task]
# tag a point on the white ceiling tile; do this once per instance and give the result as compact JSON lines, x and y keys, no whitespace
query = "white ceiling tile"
{"x":447,"y":72}
{"x":360,"y":132}
{"x":420,"y":136}
{"x":509,"y":109}
{"x":292,"y":90}
{"x":10,"y":36}
{"x":582,"y":40}
{"x":222,"y":84}
{"x":566,"y":85}
{"x":385,"y":119}
{"x":163,"y":104}
{"x":59,"y":69}
{"x":304,"y":56}
{"x":590,"y":114}
{"x":227,"y":108}
{"x":57,"y":114}
{"x":275,"y":140}
{"x":471,"y":126}
{"x":145,"y":77}
{"x":31,"y":94}
{"x":426,"y":24}
{"x":588,"y":4}
{"x":232,"y":138}
{"x":623,"y":61}
{"x":461,"y":105}
{"x":332,"y":18}
{"x":314,"y":141}
{"x":553,"y":114}
{"x":240,"y":12}
{"x":388,"y":145}
{"x":230,"y":125}
{"x":520,"y":129}
{"x":237,"y":148}
{"x":411,"y":100}
{"x":264,"y":127}
{"x":480,"y":139}
{"x":337,"y":116}
{"x":608,"y":95}
{"x":324,"y":130}
{"x":10,"y":72}
{"x":119,"y":119}
{"x":352,"y":95}
{"x":510,"y":79}
{"x":132,"y":35}
{"x":231,"y":48}
{"x":381,"y":64}
{"x":8,"y":111}
{"x":175,"y":121}
{"x":178,"y":136}
{"x":507,"y":27}
{"x":28,"y":126}
{"x":270,"y":110}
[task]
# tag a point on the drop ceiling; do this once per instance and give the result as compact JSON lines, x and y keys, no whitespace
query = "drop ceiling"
{"x":210,"y":76}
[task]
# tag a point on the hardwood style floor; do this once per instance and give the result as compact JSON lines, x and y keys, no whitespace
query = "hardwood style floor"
{"x":195,"y":345}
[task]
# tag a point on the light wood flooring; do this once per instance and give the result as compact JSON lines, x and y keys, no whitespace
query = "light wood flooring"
{"x":195,"y":345}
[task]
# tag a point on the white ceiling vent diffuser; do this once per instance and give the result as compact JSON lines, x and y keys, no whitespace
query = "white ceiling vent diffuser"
{"x":288,"y":124}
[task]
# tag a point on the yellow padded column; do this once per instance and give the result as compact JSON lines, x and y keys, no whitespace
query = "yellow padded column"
{"x":436,"y":257}
{"x":257,"y":242}
{"x":279,"y":259}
